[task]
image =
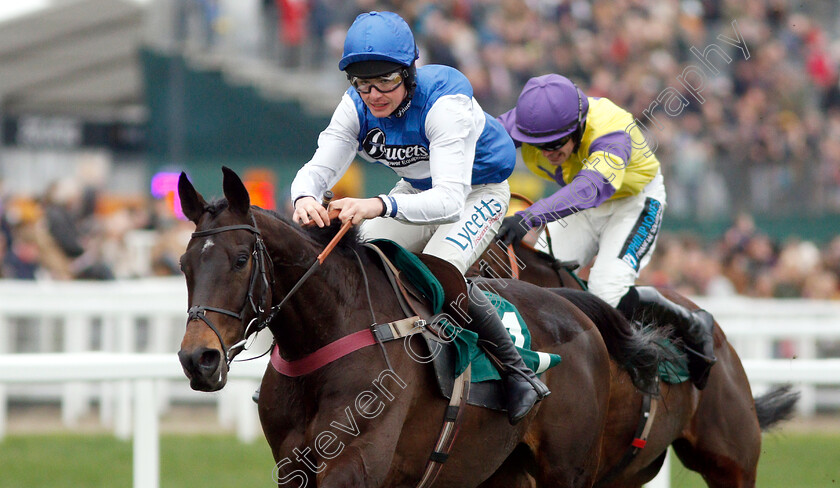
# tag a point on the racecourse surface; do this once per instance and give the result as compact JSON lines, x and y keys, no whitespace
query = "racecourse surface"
{"x":195,"y":451}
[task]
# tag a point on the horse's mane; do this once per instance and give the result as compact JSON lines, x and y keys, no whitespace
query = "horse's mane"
{"x":544,"y":256}
{"x":321,"y":236}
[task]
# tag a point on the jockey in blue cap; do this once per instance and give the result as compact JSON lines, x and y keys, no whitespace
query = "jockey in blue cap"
{"x":610,"y":201}
{"x":453,"y":160}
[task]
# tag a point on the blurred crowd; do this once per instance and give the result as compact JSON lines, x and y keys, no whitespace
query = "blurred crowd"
{"x":71,"y":233}
{"x":745,"y":262}
{"x":764,"y":135}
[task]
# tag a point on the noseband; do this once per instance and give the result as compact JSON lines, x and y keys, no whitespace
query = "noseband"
{"x":260,"y":257}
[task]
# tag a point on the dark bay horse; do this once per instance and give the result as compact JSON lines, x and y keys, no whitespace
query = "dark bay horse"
{"x":715,"y":432}
{"x":371,"y":418}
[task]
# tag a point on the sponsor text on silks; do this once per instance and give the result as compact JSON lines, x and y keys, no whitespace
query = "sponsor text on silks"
{"x":473,"y":229}
{"x":639,"y":241}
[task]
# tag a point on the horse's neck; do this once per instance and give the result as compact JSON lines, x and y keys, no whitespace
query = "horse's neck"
{"x":330,"y":304}
{"x":317,"y":314}
{"x":539,"y":271}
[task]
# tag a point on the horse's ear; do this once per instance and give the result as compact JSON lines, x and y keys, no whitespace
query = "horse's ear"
{"x":192,"y":203}
{"x":237,"y":195}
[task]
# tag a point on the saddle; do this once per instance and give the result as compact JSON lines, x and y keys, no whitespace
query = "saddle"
{"x":446,"y":294}
{"x":434,"y":290}
{"x":426,"y":285}
{"x":443,"y":288}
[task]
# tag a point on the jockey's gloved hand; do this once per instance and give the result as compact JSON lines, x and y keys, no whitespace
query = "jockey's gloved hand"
{"x":513,"y":229}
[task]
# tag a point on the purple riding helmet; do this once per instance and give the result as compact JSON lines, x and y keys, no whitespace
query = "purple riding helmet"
{"x":550,"y":107}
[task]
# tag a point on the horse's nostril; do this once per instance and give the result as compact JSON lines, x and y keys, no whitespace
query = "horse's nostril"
{"x":209,"y":359}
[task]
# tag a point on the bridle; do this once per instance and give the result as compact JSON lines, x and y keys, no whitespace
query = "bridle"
{"x":260,"y":256}
{"x":258,"y":271}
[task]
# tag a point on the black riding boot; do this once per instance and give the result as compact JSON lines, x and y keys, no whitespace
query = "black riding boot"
{"x":522,"y":387}
{"x":695,"y":327}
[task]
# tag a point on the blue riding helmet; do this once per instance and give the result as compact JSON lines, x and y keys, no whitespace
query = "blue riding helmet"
{"x":378,"y":41}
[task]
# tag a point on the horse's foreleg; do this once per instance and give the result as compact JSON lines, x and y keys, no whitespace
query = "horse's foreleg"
{"x":571,"y":422}
{"x":724,"y":440}
{"x":718,"y":470}
{"x":513,"y":473}
{"x":346,"y":471}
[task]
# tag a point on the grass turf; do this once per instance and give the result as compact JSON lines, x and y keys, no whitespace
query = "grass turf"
{"x":787,"y":461}
{"x":100,"y":461}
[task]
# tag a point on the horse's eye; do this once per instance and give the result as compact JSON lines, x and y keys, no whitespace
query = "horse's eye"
{"x":241,"y":261}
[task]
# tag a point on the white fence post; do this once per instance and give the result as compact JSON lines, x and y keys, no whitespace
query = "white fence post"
{"x":124,"y":343}
{"x":146,"y":435}
{"x":806,"y":348}
{"x":107,"y":390}
{"x":225,"y":408}
{"x":3,"y":412}
{"x":4,"y":338}
{"x":75,"y":399}
{"x":247,"y":418}
{"x":160,"y":329}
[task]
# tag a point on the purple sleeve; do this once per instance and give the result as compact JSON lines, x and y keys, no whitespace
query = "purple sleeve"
{"x":588,"y":189}
{"x":508,"y":120}
{"x":617,"y":143}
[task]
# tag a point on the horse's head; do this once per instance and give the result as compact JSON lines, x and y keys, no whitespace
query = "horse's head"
{"x":228,"y":280}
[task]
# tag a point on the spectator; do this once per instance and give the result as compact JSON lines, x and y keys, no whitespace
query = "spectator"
{"x":62,"y":251}
{"x":763,"y":121}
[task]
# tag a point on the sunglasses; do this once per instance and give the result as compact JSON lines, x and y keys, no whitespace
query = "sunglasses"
{"x":554,"y":145}
{"x":385,"y":83}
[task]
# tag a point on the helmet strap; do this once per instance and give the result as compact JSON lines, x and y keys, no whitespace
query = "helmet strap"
{"x":578,"y":135}
{"x":409,"y":74}
{"x":581,"y":123}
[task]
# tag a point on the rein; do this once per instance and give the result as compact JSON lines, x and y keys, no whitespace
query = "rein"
{"x":527,"y":201}
{"x":318,"y":261}
{"x":555,"y":264}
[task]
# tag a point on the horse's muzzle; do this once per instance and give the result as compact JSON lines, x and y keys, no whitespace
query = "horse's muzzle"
{"x":204,"y":367}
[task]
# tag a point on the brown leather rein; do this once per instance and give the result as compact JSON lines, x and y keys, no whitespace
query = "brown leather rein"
{"x":510,"y":252}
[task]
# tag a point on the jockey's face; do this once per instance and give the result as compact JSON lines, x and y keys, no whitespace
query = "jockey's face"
{"x":560,"y":155}
{"x":383,"y":104}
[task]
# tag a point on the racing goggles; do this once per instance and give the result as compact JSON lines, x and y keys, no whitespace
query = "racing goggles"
{"x":554,"y":145}
{"x":385,"y":83}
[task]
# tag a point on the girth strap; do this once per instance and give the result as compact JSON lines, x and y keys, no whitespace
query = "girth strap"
{"x":350,"y":343}
{"x":449,"y":431}
{"x":639,"y":438}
